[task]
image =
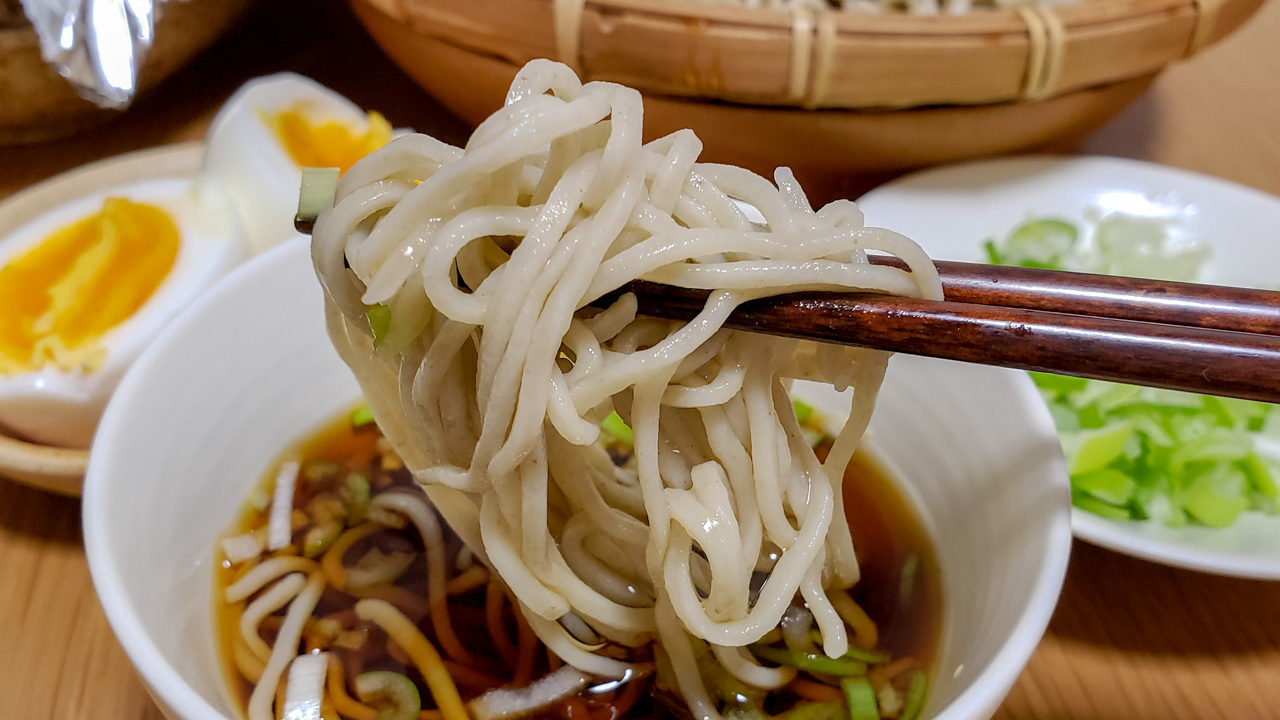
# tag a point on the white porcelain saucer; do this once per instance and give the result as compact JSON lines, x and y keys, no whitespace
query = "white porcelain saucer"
{"x":950,"y":211}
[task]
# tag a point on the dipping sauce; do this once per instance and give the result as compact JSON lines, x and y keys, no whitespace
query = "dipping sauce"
{"x":341,"y":532}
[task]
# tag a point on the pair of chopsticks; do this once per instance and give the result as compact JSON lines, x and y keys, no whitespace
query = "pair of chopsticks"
{"x":1181,"y":336}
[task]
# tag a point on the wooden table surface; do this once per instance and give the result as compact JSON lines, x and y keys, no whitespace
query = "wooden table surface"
{"x":1129,"y":641}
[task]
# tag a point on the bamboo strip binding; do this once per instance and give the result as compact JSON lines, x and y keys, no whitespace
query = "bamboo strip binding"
{"x":1046,"y":42}
{"x":567,"y":15}
{"x":823,"y":60}
{"x":833,"y":59}
{"x":1206,"y":22}
{"x":802,"y":27}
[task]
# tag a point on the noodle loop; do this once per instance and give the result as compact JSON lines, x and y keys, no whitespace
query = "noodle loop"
{"x":495,"y":371}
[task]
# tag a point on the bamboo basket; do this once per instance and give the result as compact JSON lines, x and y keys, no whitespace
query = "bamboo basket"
{"x":825,"y":92}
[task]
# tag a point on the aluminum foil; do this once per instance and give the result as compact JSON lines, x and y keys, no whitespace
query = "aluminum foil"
{"x":97,"y":45}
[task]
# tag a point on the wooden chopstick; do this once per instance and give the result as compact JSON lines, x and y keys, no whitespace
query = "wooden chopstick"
{"x":1181,"y":336}
{"x":1174,"y":303}
{"x":1204,"y":360}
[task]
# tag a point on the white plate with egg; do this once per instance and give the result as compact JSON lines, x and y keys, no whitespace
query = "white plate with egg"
{"x":46,"y":415}
{"x":952,"y":211}
{"x":97,"y":260}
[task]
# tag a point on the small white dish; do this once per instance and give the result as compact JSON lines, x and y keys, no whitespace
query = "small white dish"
{"x":950,"y":211}
{"x":249,"y":369}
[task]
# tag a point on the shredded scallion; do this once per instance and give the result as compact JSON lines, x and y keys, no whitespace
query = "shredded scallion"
{"x":811,"y":662}
{"x":379,"y":317}
{"x":861,"y":698}
{"x":916,"y":694}
{"x":617,"y":428}
{"x":1137,"y":453}
{"x":361,"y":416}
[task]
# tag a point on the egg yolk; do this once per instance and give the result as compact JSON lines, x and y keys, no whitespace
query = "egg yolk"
{"x":62,"y":295}
{"x":327,"y":143}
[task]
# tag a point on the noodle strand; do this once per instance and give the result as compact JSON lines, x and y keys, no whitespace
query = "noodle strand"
{"x":495,"y":371}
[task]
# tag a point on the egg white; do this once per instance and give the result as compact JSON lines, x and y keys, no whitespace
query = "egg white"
{"x":246,"y":159}
{"x":62,"y":408}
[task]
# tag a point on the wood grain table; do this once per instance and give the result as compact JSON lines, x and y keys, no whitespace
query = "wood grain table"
{"x":1129,"y":641}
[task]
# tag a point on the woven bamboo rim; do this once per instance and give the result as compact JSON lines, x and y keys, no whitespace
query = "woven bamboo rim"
{"x":833,"y":59}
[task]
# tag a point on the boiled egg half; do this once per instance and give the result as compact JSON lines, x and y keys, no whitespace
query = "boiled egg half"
{"x":87,"y":285}
{"x":269,"y":130}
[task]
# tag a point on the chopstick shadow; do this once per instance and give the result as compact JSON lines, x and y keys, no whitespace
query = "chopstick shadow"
{"x":1122,"y":602}
{"x":38,"y":516}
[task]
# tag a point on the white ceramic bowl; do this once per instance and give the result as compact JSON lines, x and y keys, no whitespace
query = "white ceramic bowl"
{"x":249,"y":369}
{"x":951,"y":210}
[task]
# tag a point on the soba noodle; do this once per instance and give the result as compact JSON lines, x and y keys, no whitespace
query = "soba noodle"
{"x":459,"y":287}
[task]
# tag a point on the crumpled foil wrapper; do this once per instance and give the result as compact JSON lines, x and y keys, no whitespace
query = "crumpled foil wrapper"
{"x":97,"y":45}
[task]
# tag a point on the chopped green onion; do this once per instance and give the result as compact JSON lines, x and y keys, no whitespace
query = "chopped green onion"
{"x":814,"y":711}
{"x":870,"y":657}
{"x":328,"y":627}
{"x":743,"y":711}
{"x":1039,"y":243}
{"x":1106,"y":484}
{"x":811,"y":662}
{"x":395,"y":695}
{"x":355,"y":497}
{"x":804,"y":411}
{"x":320,"y":470}
{"x":315,"y":195}
{"x":361,"y":416}
{"x":1099,"y":507}
{"x":616,"y":427}
{"x":907,"y":577}
{"x":916,"y":693}
{"x":376,"y":568}
{"x":889,"y":700}
{"x":259,"y":498}
{"x":1144,"y":453}
{"x":1096,"y":449}
{"x":1215,"y":445}
{"x":733,"y":692}
{"x":1058,"y":383}
{"x":861,"y":698}
{"x":1260,"y":476}
{"x":320,"y":537}
{"x":994,"y":255}
{"x":1203,"y":501}
{"x":379,"y":317}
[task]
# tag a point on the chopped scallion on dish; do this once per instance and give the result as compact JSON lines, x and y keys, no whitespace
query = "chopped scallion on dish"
{"x":1138,"y":453}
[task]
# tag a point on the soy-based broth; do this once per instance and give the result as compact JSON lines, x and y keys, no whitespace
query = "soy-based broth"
{"x":890,"y":538}
{"x":905,"y":603}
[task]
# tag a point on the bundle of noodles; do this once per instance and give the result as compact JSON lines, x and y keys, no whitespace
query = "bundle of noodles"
{"x":459,"y":288}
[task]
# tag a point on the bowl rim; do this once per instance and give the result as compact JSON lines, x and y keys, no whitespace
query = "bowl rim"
{"x":162,"y":681}
{"x":987,"y":691}
{"x":979,"y":699}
